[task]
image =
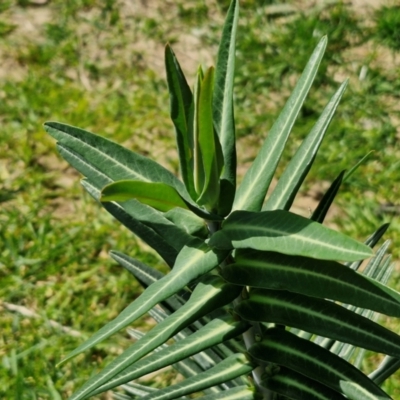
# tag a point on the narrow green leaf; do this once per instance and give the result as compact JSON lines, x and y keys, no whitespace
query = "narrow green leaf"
{"x":215,"y":332}
{"x":188,"y":222}
{"x":194,"y":260}
{"x":155,"y":194}
{"x":352,"y":170}
{"x":199,"y":174}
{"x":322,"y":209}
{"x":223,"y":113}
{"x":208,"y":144}
{"x":289,"y":183}
{"x":158,"y":241}
{"x":251,"y":193}
{"x":96,"y":180}
{"x":286,"y":233}
{"x":146,"y":276}
{"x":320,"y":317}
{"x":181,"y":106}
{"x":387,"y":367}
{"x":307,"y":358}
{"x":228,"y":369}
{"x":316,"y":278}
{"x":208,"y":295}
{"x":114,"y":161}
{"x":297,"y":387}
{"x":243,"y":392}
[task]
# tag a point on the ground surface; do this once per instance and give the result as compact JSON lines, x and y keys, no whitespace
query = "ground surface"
{"x":99,"y":65}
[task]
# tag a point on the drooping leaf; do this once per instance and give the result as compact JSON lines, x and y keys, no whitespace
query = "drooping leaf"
{"x":290,"y":181}
{"x":154,"y":194}
{"x":297,"y":387}
{"x":226,"y":370}
{"x":286,"y":233}
{"x":208,"y":295}
{"x":181,"y":106}
{"x":251,"y":193}
{"x":194,"y":260}
{"x":284,"y":348}
{"x":223,"y":113}
{"x":243,"y":392}
{"x":318,"y":316}
{"x":316,"y":278}
{"x":213,"y":333}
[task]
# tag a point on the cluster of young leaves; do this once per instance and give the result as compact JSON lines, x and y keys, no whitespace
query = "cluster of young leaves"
{"x":253,"y":288}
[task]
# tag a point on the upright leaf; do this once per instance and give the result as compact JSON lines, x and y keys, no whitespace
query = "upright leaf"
{"x":286,"y":233}
{"x":251,"y":193}
{"x":181,"y":106}
{"x":223,"y":113}
{"x":290,"y":181}
{"x":208,"y":144}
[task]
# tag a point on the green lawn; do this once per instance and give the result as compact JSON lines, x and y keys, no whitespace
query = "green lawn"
{"x":99,"y":65}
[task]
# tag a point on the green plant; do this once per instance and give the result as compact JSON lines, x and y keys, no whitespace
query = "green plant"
{"x":254,"y":290}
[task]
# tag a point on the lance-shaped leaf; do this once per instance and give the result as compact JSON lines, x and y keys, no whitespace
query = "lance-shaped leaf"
{"x":230,"y":368}
{"x":286,"y":233}
{"x":316,"y":278}
{"x":155,"y":194}
{"x":146,"y":276}
{"x":387,"y":367}
{"x":210,"y":294}
{"x":208,"y":144}
{"x":223,"y":113}
{"x":149,"y":235}
{"x":322,"y":209}
{"x":217,"y":331}
{"x":140,"y":214}
{"x":284,"y":348}
{"x":296,"y":386}
{"x":194,"y":260}
{"x":113,"y":160}
{"x":318,"y":316}
{"x":251,"y":193}
{"x":243,"y":392}
{"x":188,"y":222}
{"x":181,"y":106}
{"x":290,"y":181}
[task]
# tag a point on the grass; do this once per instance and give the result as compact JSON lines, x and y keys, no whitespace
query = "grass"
{"x":98,"y":65}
